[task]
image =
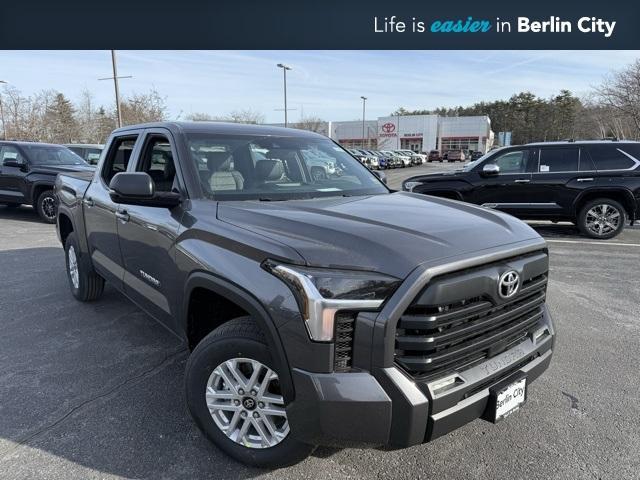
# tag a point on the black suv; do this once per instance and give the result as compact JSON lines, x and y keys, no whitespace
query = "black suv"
{"x":28,"y":171}
{"x":594,"y":184}
{"x":320,"y":310}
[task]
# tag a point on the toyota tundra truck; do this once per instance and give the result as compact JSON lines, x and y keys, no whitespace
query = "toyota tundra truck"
{"x":319,"y":310}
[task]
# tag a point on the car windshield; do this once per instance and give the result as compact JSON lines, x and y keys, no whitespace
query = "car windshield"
{"x":52,"y":155}
{"x":265,"y":167}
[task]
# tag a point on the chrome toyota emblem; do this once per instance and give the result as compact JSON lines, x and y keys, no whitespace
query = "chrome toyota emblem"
{"x":508,"y":284}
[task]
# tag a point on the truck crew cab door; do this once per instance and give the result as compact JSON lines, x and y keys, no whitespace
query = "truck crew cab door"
{"x":12,"y":185}
{"x":148,"y":234}
{"x":100,"y":211}
{"x":556,"y":181}
{"x":509,"y":189}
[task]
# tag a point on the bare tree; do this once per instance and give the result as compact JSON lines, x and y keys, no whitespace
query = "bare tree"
{"x":311,"y":123}
{"x":199,"y":117}
{"x":621,"y":93}
{"x":143,"y":108}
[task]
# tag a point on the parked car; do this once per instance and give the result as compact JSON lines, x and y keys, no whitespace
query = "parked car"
{"x":416,"y":158}
{"x":403,"y":160}
{"x":360,"y":156}
{"x":595,"y":185}
{"x":434,"y":156}
{"x":475,"y":155}
{"x":445,"y":156}
{"x":318,"y":311}
{"x":28,"y":171}
{"x":320,"y":166}
{"x":90,"y":152}
{"x":371,"y":160}
{"x":456,"y":156}
{"x":390,"y":160}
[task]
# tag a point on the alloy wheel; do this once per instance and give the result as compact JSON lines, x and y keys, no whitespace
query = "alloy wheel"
{"x":73,"y":267}
{"x":245,"y":402}
{"x":603,"y":219}
{"x":49,"y":207}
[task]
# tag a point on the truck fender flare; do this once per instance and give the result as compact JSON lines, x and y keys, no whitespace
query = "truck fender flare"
{"x":249,"y":303}
{"x":35,"y":184}
{"x":604,"y":191}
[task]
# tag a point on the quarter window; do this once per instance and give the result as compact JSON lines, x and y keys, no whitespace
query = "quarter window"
{"x":558,"y":160}
{"x":609,"y":157}
{"x":118,"y":157}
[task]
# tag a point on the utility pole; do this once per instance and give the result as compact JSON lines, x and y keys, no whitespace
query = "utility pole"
{"x":4,"y":126}
{"x":115,"y":79}
{"x":364,"y":101}
{"x":284,"y":70}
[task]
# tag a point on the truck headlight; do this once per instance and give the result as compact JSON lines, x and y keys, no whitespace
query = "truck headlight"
{"x":409,"y":186}
{"x":321,"y":293}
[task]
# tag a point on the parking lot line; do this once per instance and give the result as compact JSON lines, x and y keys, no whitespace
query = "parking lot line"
{"x":617,"y":244}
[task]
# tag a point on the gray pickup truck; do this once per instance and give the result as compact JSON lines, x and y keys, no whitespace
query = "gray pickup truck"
{"x":319,"y":309}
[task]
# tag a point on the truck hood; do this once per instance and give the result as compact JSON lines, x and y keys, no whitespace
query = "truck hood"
{"x":392,"y":234}
{"x":56,"y":169}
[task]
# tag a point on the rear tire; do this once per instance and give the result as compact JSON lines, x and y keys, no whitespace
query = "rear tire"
{"x":602,"y":218}
{"x":238,"y":342}
{"x":47,"y":206}
{"x":86,"y":285}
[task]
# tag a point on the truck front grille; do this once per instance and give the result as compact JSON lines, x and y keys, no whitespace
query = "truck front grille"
{"x":438,"y":338}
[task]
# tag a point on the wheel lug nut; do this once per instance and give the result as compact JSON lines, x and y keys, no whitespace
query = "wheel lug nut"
{"x":243,"y":414}
{"x":236,"y":402}
{"x":253,"y":392}
{"x":260,"y":405}
{"x":256,"y":414}
{"x":241,"y":392}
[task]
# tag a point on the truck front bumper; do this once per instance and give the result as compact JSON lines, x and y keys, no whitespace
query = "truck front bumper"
{"x":389,"y":407}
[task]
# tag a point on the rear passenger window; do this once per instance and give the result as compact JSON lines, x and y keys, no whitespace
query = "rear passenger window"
{"x":118,"y":157}
{"x":558,"y":160}
{"x":610,"y":157}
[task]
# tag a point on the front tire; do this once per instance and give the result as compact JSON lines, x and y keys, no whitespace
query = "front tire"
{"x":233,"y":394}
{"x":47,"y":206}
{"x":602,"y":218}
{"x":86,"y":285}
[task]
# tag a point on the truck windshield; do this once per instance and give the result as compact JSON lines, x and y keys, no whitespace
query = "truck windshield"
{"x":266,"y":167}
{"x":52,"y":155}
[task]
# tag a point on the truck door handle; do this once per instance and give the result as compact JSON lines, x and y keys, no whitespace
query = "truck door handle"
{"x":585,"y":180}
{"x":522,"y":180}
{"x":88,"y":202}
{"x":123,"y":216}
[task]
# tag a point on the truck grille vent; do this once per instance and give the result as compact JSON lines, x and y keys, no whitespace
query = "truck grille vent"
{"x":344,"y":325}
{"x":433,"y":339}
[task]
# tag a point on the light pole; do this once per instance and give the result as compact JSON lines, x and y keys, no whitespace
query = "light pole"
{"x":284,"y":71}
{"x":364,"y":102}
{"x":115,"y":78}
{"x":4,"y":127}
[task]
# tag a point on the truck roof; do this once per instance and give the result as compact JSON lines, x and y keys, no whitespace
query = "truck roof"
{"x":224,"y":128}
{"x":581,"y":142}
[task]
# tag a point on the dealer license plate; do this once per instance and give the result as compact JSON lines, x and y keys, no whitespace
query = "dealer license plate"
{"x":510,"y":399}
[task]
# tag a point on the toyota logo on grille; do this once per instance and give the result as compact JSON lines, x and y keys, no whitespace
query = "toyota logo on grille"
{"x":388,"y":127}
{"x":508,"y":284}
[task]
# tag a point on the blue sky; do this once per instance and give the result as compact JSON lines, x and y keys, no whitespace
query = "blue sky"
{"x":327,"y":84}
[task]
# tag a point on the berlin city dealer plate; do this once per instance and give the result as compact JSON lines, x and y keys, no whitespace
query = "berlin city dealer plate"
{"x":510,"y":399}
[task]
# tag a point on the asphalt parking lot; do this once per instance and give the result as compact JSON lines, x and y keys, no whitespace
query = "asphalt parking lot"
{"x":95,"y":390}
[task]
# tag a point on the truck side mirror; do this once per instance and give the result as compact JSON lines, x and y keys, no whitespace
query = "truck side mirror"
{"x":137,"y":188}
{"x":14,"y":162}
{"x":490,"y":170}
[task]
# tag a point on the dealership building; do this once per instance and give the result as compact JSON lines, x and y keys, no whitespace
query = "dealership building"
{"x":419,"y":133}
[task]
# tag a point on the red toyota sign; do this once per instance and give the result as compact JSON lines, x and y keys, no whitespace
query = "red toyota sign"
{"x":389,"y":127}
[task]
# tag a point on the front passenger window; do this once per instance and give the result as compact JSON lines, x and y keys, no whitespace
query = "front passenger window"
{"x":512,"y":162}
{"x":157,"y":161}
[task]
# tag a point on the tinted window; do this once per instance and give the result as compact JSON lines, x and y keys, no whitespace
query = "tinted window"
{"x":10,"y":153}
{"x":558,"y":160}
{"x":157,"y":161}
{"x":118,"y":157}
{"x":586,"y":163}
{"x":609,"y":157}
{"x":92,"y":155}
{"x":51,"y":155}
{"x":512,"y":162}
